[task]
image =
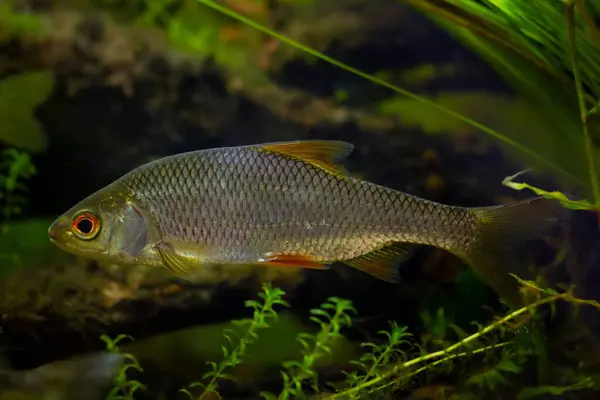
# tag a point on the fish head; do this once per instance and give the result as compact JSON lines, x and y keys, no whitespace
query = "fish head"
{"x":107,"y":226}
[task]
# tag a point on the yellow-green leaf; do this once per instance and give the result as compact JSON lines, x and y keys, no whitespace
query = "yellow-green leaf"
{"x":554,"y":195}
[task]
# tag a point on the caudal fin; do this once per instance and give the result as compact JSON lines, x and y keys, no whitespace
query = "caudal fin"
{"x":503,"y":233}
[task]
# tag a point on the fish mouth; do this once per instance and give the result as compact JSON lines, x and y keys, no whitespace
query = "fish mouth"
{"x":57,"y":230}
{"x":52,"y":234}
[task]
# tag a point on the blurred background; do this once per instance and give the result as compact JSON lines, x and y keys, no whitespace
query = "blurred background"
{"x":90,"y":89}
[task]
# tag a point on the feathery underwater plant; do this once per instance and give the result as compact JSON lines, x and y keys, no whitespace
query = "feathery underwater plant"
{"x":373,"y":363}
{"x":332,"y":316}
{"x":124,"y":388}
{"x":15,"y":166}
{"x":263,"y":312}
{"x":501,"y":347}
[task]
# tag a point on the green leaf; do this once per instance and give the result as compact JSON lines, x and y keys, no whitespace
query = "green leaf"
{"x":555,"y":195}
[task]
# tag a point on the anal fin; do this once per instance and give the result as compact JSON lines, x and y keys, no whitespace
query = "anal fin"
{"x":288,"y":260}
{"x":181,"y":265}
{"x":383,"y":263}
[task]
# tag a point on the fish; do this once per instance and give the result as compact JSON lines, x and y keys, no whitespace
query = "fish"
{"x":289,"y":204}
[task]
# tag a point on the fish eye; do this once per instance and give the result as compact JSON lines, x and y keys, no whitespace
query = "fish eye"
{"x":86,"y":225}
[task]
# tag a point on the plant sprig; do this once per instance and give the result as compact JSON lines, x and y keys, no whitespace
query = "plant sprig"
{"x":264,"y":312}
{"x":373,"y":362}
{"x":332,"y":316}
{"x":124,"y":388}
{"x":15,"y":167}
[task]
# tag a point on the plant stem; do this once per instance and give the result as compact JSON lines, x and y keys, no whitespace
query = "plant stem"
{"x":394,"y":370}
{"x":583,"y":110}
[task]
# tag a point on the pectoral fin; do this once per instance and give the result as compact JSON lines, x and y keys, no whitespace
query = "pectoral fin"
{"x":184,"y":266}
{"x":383,"y":263}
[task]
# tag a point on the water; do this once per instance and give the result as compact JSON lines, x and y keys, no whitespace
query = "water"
{"x":124,"y":94}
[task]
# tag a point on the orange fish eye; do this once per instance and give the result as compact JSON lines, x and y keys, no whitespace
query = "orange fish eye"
{"x":86,"y":225}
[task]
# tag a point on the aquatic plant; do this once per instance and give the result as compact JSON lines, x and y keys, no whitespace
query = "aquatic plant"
{"x":15,"y":168}
{"x":491,"y":357}
{"x":263,"y":312}
{"x":332,"y":317}
{"x":373,"y":363}
{"x":124,"y":388}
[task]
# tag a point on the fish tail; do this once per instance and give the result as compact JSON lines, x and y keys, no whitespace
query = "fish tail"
{"x":502,"y":234}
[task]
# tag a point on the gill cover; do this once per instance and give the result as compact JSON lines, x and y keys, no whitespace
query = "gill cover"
{"x":132,"y":235}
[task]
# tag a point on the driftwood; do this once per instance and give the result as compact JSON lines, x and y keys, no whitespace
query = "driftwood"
{"x":60,"y":310}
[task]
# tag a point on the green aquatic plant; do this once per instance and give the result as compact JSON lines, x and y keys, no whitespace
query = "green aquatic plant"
{"x":124,"y":388}
{"x":434,"y":359}
{"x":372,"y":363}
{"x":264,"y":312}
{"x":549,"y":54}
{"x":332,"y":316}
{"x":555,"y":195}
{"x":15,"y":168}
{"x":492,"y":356}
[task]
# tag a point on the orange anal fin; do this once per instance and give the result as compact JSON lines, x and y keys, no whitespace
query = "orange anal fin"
{"x":383,"y":263}
{"x":294,"y":261}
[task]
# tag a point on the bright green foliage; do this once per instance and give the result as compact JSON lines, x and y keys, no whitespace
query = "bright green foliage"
{"x":332,"y":317}
{"x":124,"y":388}
{"x":554,"y":195}
{"x":264,"y":312}
{"x":374,"y":362}
{"x":15,"y":167}
{"x":492,"y":356}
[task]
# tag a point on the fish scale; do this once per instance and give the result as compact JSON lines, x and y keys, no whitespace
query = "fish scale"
{"x":248,"y":199}
{"x":290,"y":204}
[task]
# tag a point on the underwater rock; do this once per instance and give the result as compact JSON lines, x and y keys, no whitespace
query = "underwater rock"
{"x":87,"y":377}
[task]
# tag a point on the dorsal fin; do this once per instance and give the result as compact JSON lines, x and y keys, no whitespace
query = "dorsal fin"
{"x":326,"y":154}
